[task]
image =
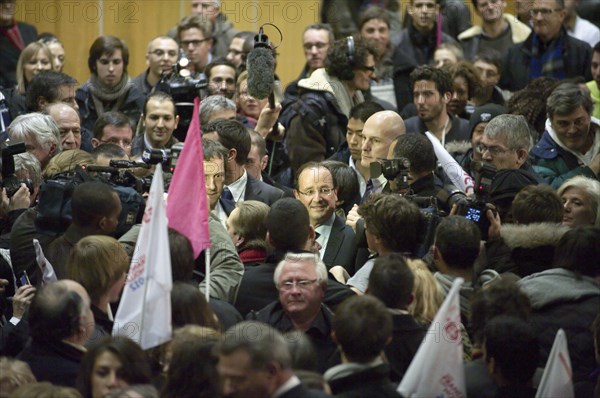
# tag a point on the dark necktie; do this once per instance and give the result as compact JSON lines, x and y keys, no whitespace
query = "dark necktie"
{"x":368,"y":191}
{"x":226,"y":194}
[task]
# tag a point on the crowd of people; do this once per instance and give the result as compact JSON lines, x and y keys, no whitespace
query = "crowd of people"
{"x":412,"y":150}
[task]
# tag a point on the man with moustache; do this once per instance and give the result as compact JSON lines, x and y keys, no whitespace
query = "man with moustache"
{"x":159,"y":120}
{"x":162,"y":54}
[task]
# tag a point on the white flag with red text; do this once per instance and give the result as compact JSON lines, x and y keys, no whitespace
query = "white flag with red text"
{"x":557,"y":380}
{"x":437,"y":368}
{"x":453,"y":170}
{"x":144,"y":314}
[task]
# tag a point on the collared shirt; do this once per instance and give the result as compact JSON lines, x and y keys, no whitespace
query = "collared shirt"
{"x":221,"y":214}
{"x":379,"y":183}
{"x":362,"y":183}
{"x":287,"y":386}
{"x":324,"y":230}
{"x":238,"y":188}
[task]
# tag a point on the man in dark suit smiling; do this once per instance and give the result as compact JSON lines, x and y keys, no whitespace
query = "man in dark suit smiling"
{"x":316,"y":188}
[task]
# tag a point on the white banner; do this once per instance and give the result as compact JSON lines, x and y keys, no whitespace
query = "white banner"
{"x":437,"y":368}
{"x":144,"y":314}
{"x":557,"y":380}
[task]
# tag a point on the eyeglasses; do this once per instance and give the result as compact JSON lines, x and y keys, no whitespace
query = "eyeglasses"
{"x":301,"y":284}
{"x":544,"y":11}
{"x":493,"y":150}
{"x":123,"y":143}
{"x":194,"y":43}
{"x":368,"y":69}
{"x":321,"y":191}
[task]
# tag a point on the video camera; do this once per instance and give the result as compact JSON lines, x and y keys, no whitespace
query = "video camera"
{"x":475,"y":208}
{"x":10,"y":181}
{"x":183,"y":87}
{"x":168,"y":157}
{"x":119,"y":173}
{"x":54,"y":207}
{"x":393,"y":170}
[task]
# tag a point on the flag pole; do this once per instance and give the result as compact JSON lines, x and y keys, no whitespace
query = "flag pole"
{"x":207,"y":273}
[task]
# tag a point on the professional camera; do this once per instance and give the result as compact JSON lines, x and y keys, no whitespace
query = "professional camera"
{"x":168,"y":157}
{"x":475,"y":208}
{"x":393,"y":170}
{"x":10,"y":181}
{"x":54,"y":207}
{"x":119,"y":173}
{"x":183,"y":87}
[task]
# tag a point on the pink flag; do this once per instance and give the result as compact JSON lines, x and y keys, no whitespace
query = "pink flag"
{"x":187,"y":206}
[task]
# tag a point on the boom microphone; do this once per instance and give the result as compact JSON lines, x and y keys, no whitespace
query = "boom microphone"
{"x":261,"y":69}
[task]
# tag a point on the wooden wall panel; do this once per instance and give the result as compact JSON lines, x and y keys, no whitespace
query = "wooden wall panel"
{"x":79,"y":22}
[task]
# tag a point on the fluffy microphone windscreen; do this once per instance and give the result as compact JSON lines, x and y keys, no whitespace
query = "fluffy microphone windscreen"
{"x":261,"y":72}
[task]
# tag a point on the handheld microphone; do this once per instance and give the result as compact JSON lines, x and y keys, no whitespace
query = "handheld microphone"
{"x":261,"y":69}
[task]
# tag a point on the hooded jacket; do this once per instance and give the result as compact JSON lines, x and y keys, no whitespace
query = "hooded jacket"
{"x":316,"y":122}
{"x":556,"y":163}
{"x":563,"y":299}
{"x":524,"y":249}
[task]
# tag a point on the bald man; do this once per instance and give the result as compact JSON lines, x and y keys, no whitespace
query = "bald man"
{"x":378,"y":133}
{"x":68,"y":122}
{"x":380,"y":130}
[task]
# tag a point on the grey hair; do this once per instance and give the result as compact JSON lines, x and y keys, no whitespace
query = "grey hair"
{"x":589,"y":186}
{"x":566,"y":98}
{"x":262,"y":342}
{"x":514,"y":128}
{"x":314,"y":259}
{"x":213,"y":104}
{"x":29,"y":163}
{"x":37,"y":126}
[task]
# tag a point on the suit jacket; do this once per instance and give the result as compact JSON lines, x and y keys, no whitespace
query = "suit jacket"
{"x":302,"y":392}
{"x":261,"y":191}
{"x":257,"y":288}
{"x":341,"y":246}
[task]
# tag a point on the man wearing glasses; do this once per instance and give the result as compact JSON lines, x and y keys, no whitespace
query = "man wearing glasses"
{"x":194,"y":33}
{"x":548,"y":51}
{"x":316,"y":188}
{"x":315,"y":41}
{"x":113,"y":128}
{"x":570,"y":145}
{"x":162,"y":54}
{"x":301,"y":279}
{"x":506,"y":142}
